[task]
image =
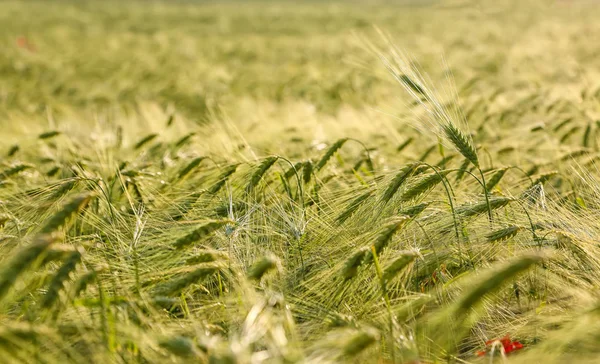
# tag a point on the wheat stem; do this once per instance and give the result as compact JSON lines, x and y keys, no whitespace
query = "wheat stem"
{"x":386,"y":297}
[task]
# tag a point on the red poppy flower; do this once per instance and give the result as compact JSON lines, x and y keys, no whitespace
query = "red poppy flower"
{"x":507,"y":344}
{"x":24,"y":43}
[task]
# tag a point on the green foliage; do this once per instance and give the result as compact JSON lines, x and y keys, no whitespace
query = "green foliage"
{"x":156,"y":143}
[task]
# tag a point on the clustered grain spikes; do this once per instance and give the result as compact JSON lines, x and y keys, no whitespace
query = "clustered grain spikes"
{"x":353,"y":206}
{"x":351,"y":265}
{"x":145,"y":140}
{"x":422,"y":185}
{"x":262,"y":266}
{"x":222,"y":179}
{"x":503,"y":234}
{"x":543,"y":178}
{"x":24,"y":259}
{"x":49,"y":134}
{"x":461,"y":142}
{"x":398,"y":265}
{"x":415,"y":210}
{"x":199,"y":233}
{"x":330,"y":152}
{"x":569,"y":242}
{"x":64,"y":188}
{"x":385,"y":236}
{"x":58,"y":281}
{"x":14,"y":170}
{"x":193,"y":303}
{"x":481,"y":207}
{"x":186,"y":205}
{"x":260,"y":171}
{"x":496,"y":177}
{"x":293,"y":170}
{"x":74,"y":206}
{"x":189,"y":167}
{"x":408,"y":82}
{"x":184,"y":140}
{"x":205,"y":256}
{"x":401,"y":177}
{"x":193,"y":275}
{"x":493,"y":282}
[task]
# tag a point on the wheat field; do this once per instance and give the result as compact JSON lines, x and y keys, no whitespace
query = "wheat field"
{"x":299,"y":182}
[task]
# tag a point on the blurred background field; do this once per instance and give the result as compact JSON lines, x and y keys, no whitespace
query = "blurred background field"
{"x":209,"y":178}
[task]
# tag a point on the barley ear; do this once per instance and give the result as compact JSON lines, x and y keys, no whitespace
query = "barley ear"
{"x":412,"y":85}
{"x":200,"y":233}
{"x":144,"y":141}
{"x":189,"y":167}
{"x":194,"y":275}
{"x":222,"y":179}
{"x":350,"y":268}
{"x":358,"y":341}
{"x":398,"y":265}
{"x":14,"y":170}
{"x":205,"y":256}
{"x":307,"y":170}
{"x":492,"y":282}
{"x":13,"y":150}
{"x":415,"y":210}
{"x":260,"y":172}
{"x":330,"y":152}
{"x":72,"y":207}
{"x":23,"y":260}
{"x":352,"y":207}
{"x":496,"y":177}
{"x":423,"y":184}
{"x":405,"y":144}
{"x":398,"y":181}
{"x":461,"y":142}
{"x":49,"y":134}
{"x":503,"y":234}
{"x":262,"y":266}
{"x":385,"y":236}
{"x":58,"y":281}
{"x":470,"y":210}
{"x":184,"y":140}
